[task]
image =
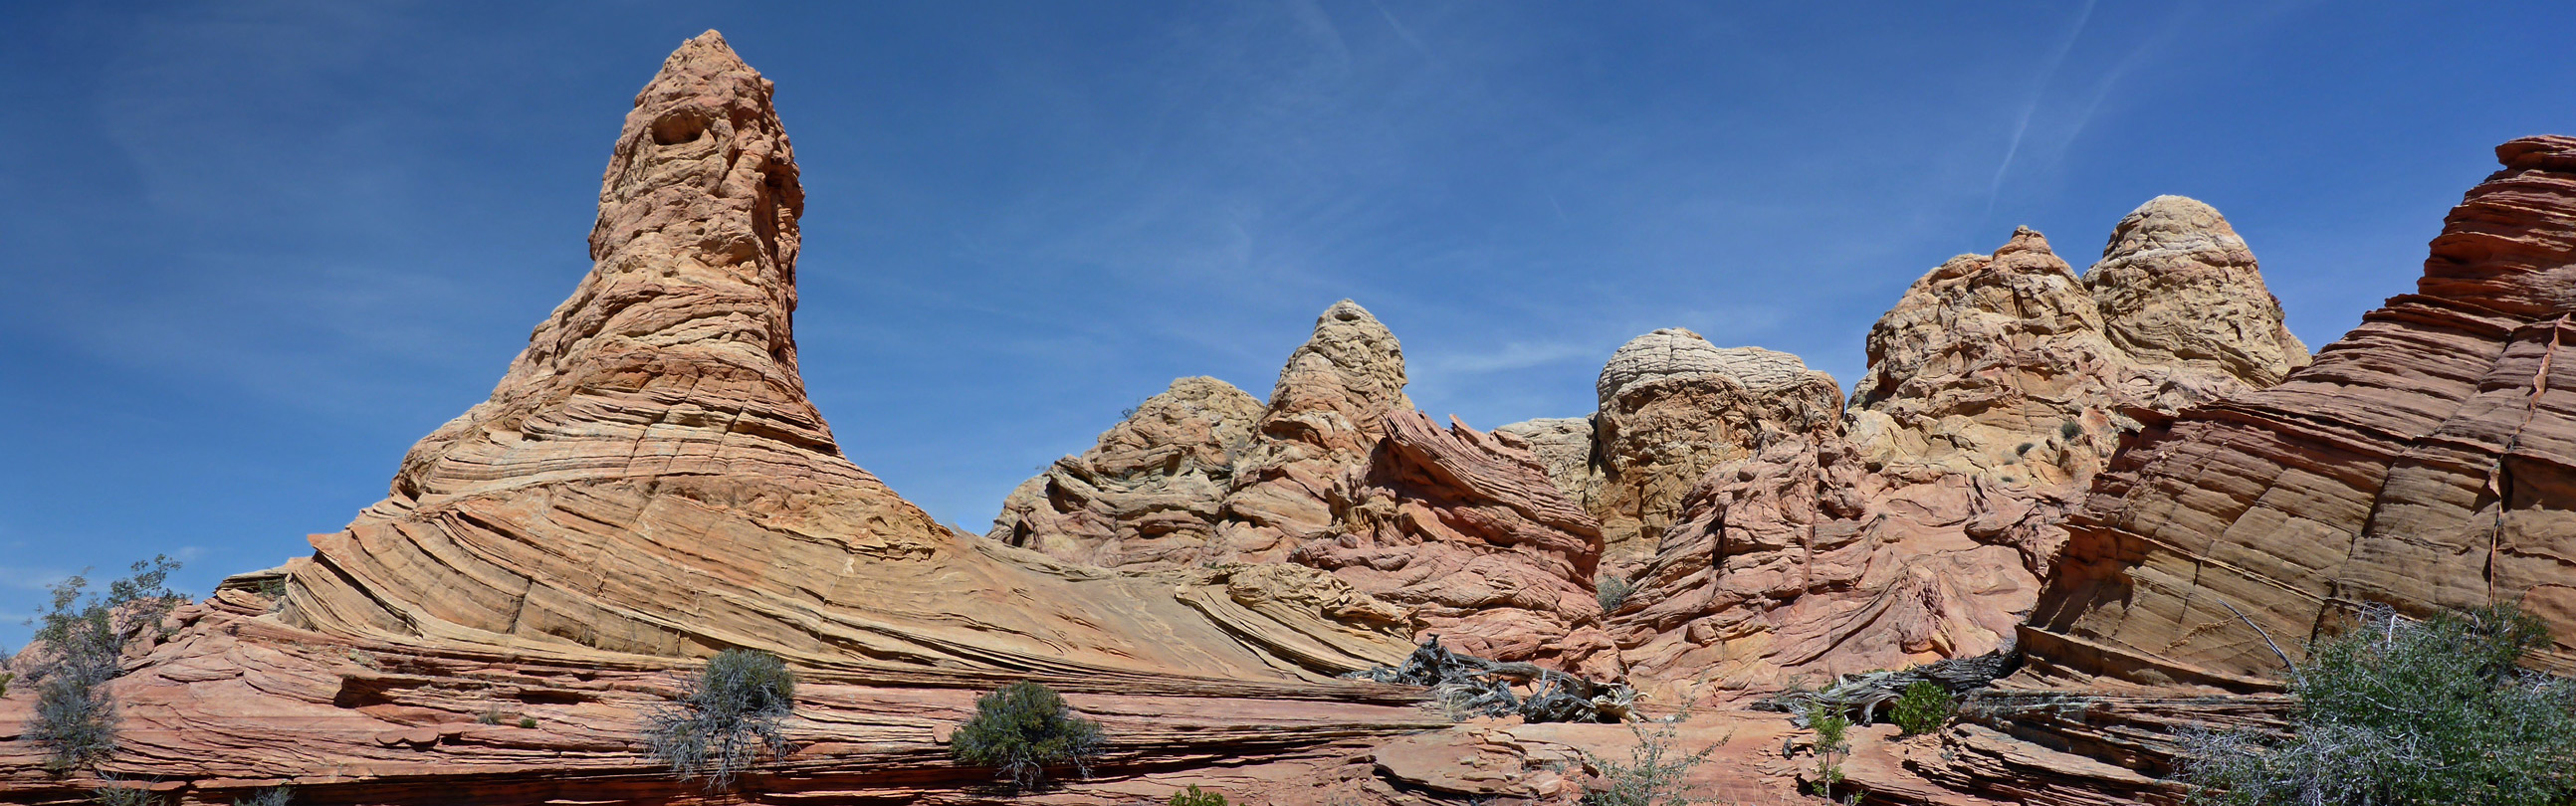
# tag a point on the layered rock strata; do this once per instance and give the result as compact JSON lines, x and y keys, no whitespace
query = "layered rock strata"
{"x":2418,"y":463}
{"x":1673,"y":406}
{"x":1151,"y":491}
{"x":1920,"y":525}
{"x":648,"y":485}
{"x":2414,"y":464}
{"x":1464,"y":530}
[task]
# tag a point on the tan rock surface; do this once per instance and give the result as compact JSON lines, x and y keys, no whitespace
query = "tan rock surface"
{"x":1149,"y":492}
{"x":2419,"y":462}
{"x":1672,"y":407}
{"x":1464,"y":531}
{"x":1995,"y":392}
{"x":648,"y":485}
{"x":1469,"y":532}
{"x":1326,"y":414}
{"x":2178,"y":288}
{"x":1563,"y":446}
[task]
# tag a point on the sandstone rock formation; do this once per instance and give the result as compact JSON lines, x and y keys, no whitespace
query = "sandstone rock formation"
{"x":1673,"y":406}
{"x":648,"y":485}
{"x":1920,"y":526}
{"x":1466,"y":531}
{"x":2418,"y":463}
{"x":1325,"y":415}
{"x":2414,"y":465}
{"x":1152,"y":489}
{"x":1470,"y":532}
{"x":2177,"y":288}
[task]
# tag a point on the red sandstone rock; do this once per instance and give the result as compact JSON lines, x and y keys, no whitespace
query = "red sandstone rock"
{"x":2419,"y":463}
{"x":1923,"y":531}
{"x":1465,"y":531}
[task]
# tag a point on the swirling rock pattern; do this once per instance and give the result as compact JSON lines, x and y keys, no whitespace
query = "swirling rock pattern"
{"x":649,"y":485}
{"x":2420,"y":463}
{"x":1920,"y":525}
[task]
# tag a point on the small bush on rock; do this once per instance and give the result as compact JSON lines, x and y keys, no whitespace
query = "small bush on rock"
{"x":1832,"y":745}
{"x":1022,"y":729}
{"x":1613,"y":591}
{"x":726,"y":715}
{"x":84,"y":637}
{"x":1924,"y":708}
{"x":1652,"y":775}
{"x":1194,"y":797}
{"x":2431,"y":713}
{"x":272,"y":796}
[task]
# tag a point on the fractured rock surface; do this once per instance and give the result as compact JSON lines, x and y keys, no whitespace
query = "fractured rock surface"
{"x":648,"y":485}
{"x":1466,"y":531}
{"x":1150,"y":492}
{"x":2420,"y":462}
{"x":1920,"y":525}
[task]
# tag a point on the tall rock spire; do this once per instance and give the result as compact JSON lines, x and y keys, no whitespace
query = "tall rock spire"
{"x":676,"y":354}
{"x":649,"y":478}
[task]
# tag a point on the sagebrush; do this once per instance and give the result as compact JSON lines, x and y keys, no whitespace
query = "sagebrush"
{"x":1613,"y":591}
{"x":84,"y":636}
{"x":1022,"y":729}
{"x":1193,"y":797}
{"x":2396,"y":711}
{"x":725,"y":716}
{"x":272,"y":796}
{"x":1652,"y":776}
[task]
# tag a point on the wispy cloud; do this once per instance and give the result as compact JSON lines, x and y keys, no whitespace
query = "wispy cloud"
{"x":2021,"y":126}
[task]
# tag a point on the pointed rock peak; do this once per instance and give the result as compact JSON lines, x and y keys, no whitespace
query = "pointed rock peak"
{"x":676,"y":353}
{"x":2178,"y":289}
{"x":1352,"y":354}
{"x":1673,"y":351}
{"x":2029,"y":249}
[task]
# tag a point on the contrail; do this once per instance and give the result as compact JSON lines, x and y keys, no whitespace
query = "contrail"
{"x":2022,"y":126}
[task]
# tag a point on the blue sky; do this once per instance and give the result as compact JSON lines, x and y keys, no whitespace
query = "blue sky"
{"x":253,"y":250}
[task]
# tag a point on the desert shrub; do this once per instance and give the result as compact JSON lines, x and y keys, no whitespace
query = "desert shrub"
{"x":491,"y":716}
{"x":84,"y":636}
{"x":726,"y":714}
{"x":1832,"y":744}
{"x":121,"y":793}
{"x":2403,"y":712}
{"x":1193,"y":797}
{"x":272,"y":796}
{"x":527,"y":722}
{"x":1924,"y":708}
{"x":1021,"y":729}
{"x":1652,"y":776}
{"x":1613,"y":590}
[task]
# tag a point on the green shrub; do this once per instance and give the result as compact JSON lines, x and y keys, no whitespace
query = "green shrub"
{"x":272,"y":796}
{"x":1924,"y":708}
{"x":1832,"y":744}
{"x":2402,"y":712}
{"x":1021,"y":729}
{"x":1652,"y":775}
{"x":527,"y":722}
{"x":726,"y":714}
{"x":1613,"y":590}
{"x":1194,"y":797}
{"x":84,"y":637}
{"x":120,"y":793}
